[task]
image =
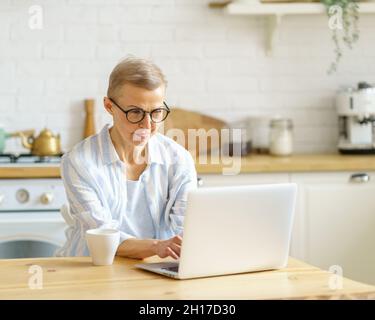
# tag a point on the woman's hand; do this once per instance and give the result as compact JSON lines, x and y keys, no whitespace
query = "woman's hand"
{"x":169,"y":248}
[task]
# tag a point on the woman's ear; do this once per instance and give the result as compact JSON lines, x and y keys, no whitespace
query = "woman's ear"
{"x":108,"y":105}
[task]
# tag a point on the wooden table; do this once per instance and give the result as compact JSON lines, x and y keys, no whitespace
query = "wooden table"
{"x":77,"y":278}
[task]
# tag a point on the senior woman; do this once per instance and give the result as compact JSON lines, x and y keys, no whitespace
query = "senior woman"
{"x":129,"y":176}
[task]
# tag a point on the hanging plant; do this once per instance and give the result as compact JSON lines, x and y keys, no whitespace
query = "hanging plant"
{"x":343,"y":21}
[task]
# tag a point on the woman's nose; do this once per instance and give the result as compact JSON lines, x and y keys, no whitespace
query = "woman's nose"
{"x":146,"y":122}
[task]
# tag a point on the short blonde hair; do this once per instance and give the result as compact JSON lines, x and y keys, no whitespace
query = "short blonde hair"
{"x":135,"y":71}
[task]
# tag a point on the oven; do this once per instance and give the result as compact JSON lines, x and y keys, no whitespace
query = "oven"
{"x":30,"y":221}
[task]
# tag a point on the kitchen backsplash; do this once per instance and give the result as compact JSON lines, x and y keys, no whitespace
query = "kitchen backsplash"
{"x":215,"y":63}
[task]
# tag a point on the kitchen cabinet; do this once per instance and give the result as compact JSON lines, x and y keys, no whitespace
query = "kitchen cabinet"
{"x":334,"y":222}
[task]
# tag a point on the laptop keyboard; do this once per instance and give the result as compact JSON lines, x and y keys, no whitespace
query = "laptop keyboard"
{"x":173,"y":269}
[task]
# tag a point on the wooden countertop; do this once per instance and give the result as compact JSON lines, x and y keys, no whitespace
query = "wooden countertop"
{"x":295,"y":163}
{"x":249,"y":164}
{"x":19,"y":172}
{"x":77,"y":278}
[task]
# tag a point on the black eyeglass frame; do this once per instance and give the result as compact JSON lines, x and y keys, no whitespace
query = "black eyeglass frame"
{"x":144,"y":112}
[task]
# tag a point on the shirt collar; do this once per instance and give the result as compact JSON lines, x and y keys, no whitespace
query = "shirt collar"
{"x":110,"y":155}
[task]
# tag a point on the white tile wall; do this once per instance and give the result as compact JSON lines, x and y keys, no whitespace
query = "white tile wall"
{"x":214,"y":63}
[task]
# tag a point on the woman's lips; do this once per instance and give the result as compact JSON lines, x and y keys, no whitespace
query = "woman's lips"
{"x":140,"y":135}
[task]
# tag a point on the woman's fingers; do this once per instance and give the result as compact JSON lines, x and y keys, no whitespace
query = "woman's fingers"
{"x":177,"y":240}
{"x":172,"y":253}
{"x":172,"y":247}
{"x":176,"y":248}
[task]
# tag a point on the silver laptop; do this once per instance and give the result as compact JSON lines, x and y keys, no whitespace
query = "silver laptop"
{"x":230,"y":230}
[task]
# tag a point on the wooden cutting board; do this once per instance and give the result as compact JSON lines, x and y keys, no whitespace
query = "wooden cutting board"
{"x":184,"y":120}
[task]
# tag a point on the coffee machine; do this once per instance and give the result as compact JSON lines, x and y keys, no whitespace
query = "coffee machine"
{"x":356,"y":112}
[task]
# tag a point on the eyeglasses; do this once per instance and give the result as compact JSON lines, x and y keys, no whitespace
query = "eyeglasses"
{"x":136,"y":115}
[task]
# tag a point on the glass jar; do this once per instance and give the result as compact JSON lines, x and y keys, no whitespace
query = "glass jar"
{"x":281,"y":137}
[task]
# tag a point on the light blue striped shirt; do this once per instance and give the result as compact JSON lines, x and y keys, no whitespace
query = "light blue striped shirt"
{"x":96,"y":187}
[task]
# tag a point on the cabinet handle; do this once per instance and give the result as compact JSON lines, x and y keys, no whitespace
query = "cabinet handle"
{"x":199,"y":181}
{"x":359,"y":178}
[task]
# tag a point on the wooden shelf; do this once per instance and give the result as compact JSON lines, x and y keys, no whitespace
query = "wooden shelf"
{"x":281,"y":9}
{"x":274,"y":12}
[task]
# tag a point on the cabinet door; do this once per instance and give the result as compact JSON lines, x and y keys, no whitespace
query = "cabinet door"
{"x":336,"y":222}
{"x":214,"y":180}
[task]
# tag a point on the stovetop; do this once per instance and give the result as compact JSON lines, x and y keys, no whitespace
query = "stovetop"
{"x":27,"y":158}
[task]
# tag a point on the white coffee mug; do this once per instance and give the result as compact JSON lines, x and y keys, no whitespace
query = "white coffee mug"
{"x":102,"y":244}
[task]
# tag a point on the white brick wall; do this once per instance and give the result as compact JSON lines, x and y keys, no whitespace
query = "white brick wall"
{"x":214,"y":63}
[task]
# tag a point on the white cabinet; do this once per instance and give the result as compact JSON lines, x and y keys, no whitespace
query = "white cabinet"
{"x":335,"y":222}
